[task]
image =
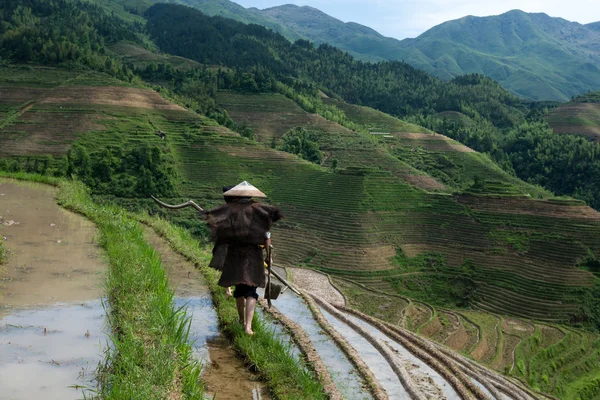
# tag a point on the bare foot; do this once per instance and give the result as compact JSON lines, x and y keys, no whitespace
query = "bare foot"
{"x":249,"y":331}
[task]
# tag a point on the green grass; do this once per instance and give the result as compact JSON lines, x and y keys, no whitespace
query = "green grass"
{"x":150,"y":356}
{"x":3,"y":252}
{"x":374,"y":120}
{"x":25,"y":75}
{"x":284,"y":374}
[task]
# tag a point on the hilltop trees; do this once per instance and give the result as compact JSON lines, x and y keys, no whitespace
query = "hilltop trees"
{"x":62,"y":32}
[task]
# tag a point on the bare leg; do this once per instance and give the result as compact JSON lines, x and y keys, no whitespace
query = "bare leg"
{"x":240,"y":302}
{"x":250,"y":305}
{"x":228,"y":292}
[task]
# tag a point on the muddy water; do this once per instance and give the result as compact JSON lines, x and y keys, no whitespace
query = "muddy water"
{"x":51,"y":318}
{"x":343,"y":373}
{"x":371,"y":356}
{"x":225,"y":374}
{"x":52,"y":257}
{"x":425,"y":377}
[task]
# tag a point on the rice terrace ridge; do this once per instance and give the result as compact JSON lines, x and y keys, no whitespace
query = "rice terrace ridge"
{"x":440,"y":239}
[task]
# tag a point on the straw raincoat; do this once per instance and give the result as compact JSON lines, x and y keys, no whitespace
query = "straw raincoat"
{"x":238,"y":228}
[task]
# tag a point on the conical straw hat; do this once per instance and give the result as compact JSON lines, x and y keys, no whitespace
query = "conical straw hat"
{"x":244,"y":189}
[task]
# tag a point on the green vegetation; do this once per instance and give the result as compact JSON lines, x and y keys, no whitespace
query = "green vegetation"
{"x":150,"y":356}
{"x":62,"y":32}
{"x":3,"y":252}
{"x":303,"y":143}
{"x":137,"y":172}
{"x":533,"y":55}
{"x":285,"y":375}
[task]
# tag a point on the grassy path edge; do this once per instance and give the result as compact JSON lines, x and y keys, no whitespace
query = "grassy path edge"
{"x":284,"y":374}
{"x":151,"y":357}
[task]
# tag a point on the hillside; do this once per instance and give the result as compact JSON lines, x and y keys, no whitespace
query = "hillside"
{"x":375,"y":219}
{"x":532,"y":55}
{"x":581,"y":116}
{"x":361,"y":41}
{"x":413,"y":226}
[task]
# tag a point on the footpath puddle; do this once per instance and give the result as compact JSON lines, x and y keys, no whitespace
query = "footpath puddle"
{"x":51,"y":316}
{"x":225,"y":374}
{"x":343,"y":373}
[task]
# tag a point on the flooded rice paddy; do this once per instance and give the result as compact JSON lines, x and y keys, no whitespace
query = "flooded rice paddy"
{"x":343,"y":373}
{"x":51,"y":317}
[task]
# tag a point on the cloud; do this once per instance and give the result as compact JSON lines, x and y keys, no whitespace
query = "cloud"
{"x":410,"y":18}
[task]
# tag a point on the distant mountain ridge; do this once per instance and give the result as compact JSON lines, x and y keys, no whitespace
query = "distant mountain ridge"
{"x":533,"y":55}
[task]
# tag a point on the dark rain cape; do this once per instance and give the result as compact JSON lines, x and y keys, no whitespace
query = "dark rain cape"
{"x":238,"y":228}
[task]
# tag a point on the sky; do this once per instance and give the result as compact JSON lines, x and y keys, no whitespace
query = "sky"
{"x":409,"y":18}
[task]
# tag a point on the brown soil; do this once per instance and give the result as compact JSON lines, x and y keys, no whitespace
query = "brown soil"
{"x":517,"y":327}
{"x":540,"y":208}
{"x":460,"y":338}
{"x":19,"y":95}
{"x":423,"y":181}
{"x":431,"y":328}
{"x":434,"y":142}
{"x":420,"y":315}
{"x":37,"y":271}
{"x":508,"y":352}
{"x":316,"y":283}
{"x":109,"y":95}
{"x":575,"y":110}
{"x":421,"y":136}
{"x":41,"y":133}
{"x":186,"y":280}
{"x":227,"y":378}
{"x":550,"y":335}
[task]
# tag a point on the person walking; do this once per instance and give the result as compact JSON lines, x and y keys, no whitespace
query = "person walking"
{"x":244,"y":226}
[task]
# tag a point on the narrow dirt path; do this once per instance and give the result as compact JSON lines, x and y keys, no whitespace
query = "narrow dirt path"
{"x":225,"y":374}
{"x":51,"y":316}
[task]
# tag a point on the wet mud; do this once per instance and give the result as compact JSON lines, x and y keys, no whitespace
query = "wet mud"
{"x":224,"y":373}
{"x":52,"y":254}
{"x":51,"y":317}
{"x":372,"y":358}
{"x":51,"y":352}
{"x":432,"y":384}
{"x":343,"y":373}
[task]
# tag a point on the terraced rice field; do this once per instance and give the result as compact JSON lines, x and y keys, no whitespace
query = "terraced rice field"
{"x":524,"y":251}
{"x":44,"y":117}
{"x":373,"y":229}
{"x":577,"y":119}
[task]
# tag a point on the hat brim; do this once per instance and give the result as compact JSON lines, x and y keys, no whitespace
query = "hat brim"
{"x":244,"y":193}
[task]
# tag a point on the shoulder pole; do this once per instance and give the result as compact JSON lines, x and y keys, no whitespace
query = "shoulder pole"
{"x":189,"y":203}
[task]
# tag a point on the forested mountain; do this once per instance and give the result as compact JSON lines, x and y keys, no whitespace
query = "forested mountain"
{"x":361,"y":41}
{"x":496,"y":121}
{"x":533,"y":55}
{"x":594,"y":26}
